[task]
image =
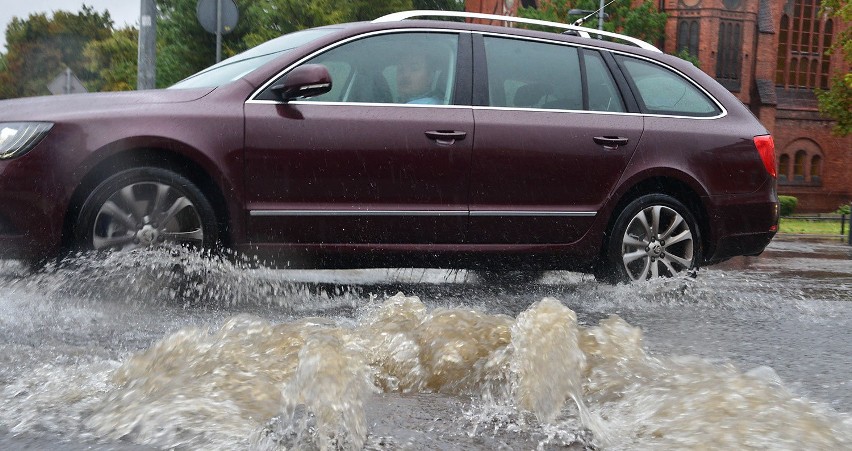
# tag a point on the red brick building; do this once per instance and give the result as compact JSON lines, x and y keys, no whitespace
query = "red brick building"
{"x":772,"y":55}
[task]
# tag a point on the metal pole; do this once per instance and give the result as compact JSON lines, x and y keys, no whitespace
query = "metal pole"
{"x":601,"y":15}
{"x":218,"y":30}
{"x":147,"y":58}
{"x":67,"y":80}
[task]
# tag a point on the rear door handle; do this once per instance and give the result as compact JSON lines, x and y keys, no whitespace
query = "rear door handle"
{"x":446,"y":137}
{"x":610,"y":142}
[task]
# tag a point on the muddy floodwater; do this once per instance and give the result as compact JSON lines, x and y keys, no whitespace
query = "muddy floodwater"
{"x":166,"y":349}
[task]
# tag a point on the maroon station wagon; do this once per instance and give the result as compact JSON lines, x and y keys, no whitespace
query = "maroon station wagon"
{"x":400,"y":142}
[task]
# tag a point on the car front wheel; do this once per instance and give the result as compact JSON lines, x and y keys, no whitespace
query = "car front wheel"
{"x":654,"y":236}
{"x":144,"y":207}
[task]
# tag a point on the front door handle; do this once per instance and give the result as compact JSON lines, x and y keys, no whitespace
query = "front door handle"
{"x":610,"y":142}
{"x":446,"y":137}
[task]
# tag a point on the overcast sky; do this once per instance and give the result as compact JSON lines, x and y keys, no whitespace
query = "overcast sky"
{"x":122,"y":12}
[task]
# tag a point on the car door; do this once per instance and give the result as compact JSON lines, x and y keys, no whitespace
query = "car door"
{"x":359,"y":164}
{"x":552,"y":140}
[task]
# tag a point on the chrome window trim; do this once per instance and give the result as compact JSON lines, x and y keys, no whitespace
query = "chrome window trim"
{"x":477,"y":213}
{"x":252,"y":97}
{"x":372,"y":104}
{"x":541,"y":110}
{"x":476,"y":108}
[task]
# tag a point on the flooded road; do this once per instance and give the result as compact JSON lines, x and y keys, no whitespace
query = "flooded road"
{"x":132,"y":352}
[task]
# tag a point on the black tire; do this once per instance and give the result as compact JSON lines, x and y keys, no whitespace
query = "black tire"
{"x":143,"y":207}
{"x":653,"y":236}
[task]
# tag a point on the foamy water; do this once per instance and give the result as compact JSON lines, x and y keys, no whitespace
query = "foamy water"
{"x":116,"y":351}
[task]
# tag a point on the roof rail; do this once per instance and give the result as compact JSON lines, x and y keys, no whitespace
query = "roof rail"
{"x":582,"y":31}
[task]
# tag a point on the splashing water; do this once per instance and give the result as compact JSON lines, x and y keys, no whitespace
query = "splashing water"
{"x":304,"y":384}
{"x":391,"y":374}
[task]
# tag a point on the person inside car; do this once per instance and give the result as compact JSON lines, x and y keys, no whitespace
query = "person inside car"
{"x":415,"y":76}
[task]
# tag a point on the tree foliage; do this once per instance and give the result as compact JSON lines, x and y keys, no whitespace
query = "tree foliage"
{"x":836,"y":102}
{"x":685,"y":55}
{"x":114,"y":60}
{"x":644,"y":22}
{"x":440,"y":5}
{"x":40,"y":48}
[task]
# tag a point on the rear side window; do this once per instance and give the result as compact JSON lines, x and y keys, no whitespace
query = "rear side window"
{"x":526,"y":74}
{"x":531,"y":74}
{"x":662,"y":91}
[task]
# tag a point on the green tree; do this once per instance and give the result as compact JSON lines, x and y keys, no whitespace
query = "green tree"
{"x":273,"y":18}
{"x":371,"y":9}
{"x":439,"y":5}
{"x":685,"y":55}
{"x":836,"y":102}
{"x":644,"y":22}
{"x":40,"y":48}
{"x":114,"y":59}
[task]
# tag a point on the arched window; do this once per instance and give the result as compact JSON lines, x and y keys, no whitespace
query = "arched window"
{"x":803,"y":44}
{"x":803,"y":73}
{"x":783,"y":167}
{"x":816,"y":169}
{"x":799,"y":166}
{"x":826,"y":58}
{"x":687,"y":36}
{"x":800,"y":162}
{"x":812,"y":81}
{"x":728,"y":54}
{"x":781,"y":67}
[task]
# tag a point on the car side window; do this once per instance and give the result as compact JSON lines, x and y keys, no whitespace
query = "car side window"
{"x":662,"y":91}
{"x":601,"y":90}
{"x":403,"y":68}
{"x":529,"y":74}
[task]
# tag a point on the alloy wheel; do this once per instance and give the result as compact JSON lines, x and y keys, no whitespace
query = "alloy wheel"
{"x":146,"y":214}
{"x":657,"y":242}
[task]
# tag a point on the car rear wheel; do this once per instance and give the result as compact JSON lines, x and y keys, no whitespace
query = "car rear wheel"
{"x":654,"y":236}
{"x":145,"y":207}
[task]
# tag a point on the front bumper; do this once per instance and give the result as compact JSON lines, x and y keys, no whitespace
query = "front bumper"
{"x":33,"y":200}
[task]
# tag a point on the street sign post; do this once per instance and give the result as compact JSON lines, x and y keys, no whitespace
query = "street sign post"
{"x":66,"y":83}
{"x":218,"y":17}
{"x":147,"y":57}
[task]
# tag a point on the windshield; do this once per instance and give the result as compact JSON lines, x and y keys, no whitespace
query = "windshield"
{"x":239,"y":65}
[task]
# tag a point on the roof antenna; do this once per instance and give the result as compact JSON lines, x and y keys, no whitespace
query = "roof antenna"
{"x":579,"y":22}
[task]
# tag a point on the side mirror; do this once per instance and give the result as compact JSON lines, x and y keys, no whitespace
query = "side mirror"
{"x":304,"y":81}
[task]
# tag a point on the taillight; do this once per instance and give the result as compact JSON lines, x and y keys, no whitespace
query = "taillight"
{"x":766,"y":148}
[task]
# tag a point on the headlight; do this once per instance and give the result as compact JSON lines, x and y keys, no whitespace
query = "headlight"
{"x":17,"y":138}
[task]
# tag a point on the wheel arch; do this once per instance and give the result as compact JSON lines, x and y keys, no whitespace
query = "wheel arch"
{"x":669,"y":185}
{"x":154,"y":156}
